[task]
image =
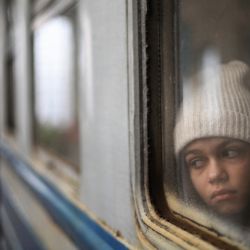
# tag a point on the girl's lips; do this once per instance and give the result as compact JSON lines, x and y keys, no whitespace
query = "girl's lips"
{"x":223,"y":194}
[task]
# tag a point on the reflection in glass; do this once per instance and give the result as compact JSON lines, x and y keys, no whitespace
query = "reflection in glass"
{"x":55,"y":88}
{"x":212,"y":131}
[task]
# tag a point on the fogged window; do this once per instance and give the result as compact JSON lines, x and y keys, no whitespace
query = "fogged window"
{"x":212,"y":128}
{"x":56,"y":102}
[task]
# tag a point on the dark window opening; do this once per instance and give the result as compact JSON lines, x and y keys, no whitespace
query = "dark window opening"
{"x":9,"y":69}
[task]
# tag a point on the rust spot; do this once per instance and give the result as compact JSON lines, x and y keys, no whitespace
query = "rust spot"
{"x":118,"y":233}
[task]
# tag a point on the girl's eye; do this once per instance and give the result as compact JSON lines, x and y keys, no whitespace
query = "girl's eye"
{"x":196,"y":163}
{"x":231,"y":153}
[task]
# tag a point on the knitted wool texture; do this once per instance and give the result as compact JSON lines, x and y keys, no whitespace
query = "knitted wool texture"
{"x":216,"y":103}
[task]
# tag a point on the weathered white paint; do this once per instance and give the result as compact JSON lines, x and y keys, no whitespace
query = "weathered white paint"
{"x":23,"y":69}
{"x":105,"y":172}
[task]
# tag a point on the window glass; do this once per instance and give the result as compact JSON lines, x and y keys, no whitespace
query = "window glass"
{"x":212,"y":127}
{"x":56,"y":102}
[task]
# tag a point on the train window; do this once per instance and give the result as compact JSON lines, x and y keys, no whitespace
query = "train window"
{"x":56,"y":87}
{"x":210,"y":181}
{"x":9,"y":66}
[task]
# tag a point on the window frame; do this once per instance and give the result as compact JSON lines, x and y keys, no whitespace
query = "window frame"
{"x":49,"y":157}
{"x":3,"y":57}
{"x":157,"y":225}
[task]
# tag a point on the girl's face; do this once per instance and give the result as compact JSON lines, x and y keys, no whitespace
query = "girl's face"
{"x":220,"y":172}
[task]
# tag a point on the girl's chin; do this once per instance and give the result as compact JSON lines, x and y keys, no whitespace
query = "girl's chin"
{"x":229,"y":209}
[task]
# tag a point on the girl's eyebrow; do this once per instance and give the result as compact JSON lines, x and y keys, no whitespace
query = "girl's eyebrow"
{"x":231,"y":141}
{"x":191,"y":151}
{"x":224,"y":143}
{"x":221,"y":145}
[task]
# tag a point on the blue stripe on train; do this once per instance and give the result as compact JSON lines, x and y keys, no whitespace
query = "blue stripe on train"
{"x":83,"y":231}
{"x":23,"y":230}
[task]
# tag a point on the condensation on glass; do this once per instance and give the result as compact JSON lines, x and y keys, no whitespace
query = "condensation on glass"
{"x":212,"y":123}
{"x":55,"y":88}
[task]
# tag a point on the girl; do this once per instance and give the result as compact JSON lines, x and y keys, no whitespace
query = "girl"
{"x":212,"y":137}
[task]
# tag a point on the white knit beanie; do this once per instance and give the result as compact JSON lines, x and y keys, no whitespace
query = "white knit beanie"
{"x":216,"y":102}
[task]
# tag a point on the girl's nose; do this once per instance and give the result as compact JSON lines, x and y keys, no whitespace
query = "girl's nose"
{"x":216,"y":172}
